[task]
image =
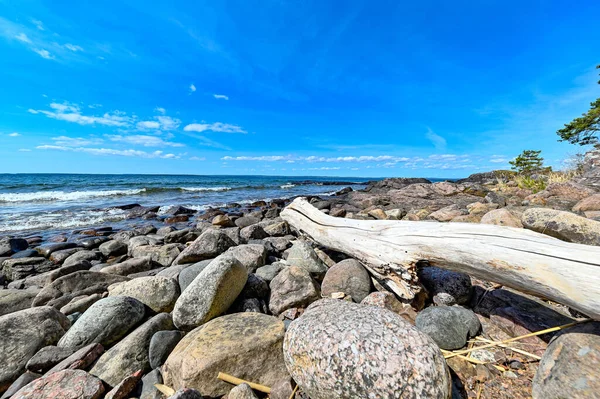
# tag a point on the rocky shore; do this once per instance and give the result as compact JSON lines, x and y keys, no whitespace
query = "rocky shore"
{"x":103,"y":313}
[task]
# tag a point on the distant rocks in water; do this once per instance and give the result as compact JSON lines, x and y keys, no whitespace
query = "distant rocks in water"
{"x":369,"y":352}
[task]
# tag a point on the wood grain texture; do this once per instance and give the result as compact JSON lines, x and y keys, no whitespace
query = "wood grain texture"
{"x":522,"y":259}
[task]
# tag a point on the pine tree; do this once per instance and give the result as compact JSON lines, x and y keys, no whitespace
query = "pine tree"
{"x":527,"y":162}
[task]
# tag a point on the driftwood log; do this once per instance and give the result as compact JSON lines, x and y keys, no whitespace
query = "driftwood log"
{"x":534,"y":263}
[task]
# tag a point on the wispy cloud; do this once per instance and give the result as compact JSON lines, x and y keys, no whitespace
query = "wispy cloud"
{"x":110,"y":151}
{"x":499,"y":159}
{"x":220,"y":96}
{"x":192,"y":88}
{"x":38,"y":24}
{"x":72,"y":113}
{"x":44,"y":54}
{"x":75,"y":141}
{"x":23,"y":38}
{"x":143,"y":140}
{"x":73,"y":47}
{"x":214,"y":127}
{"x":197,"y":159}
{"x":24,"y":150}
{"x":15,"y":134}
{"x":438,"y":141}
{"x":160,"y":110}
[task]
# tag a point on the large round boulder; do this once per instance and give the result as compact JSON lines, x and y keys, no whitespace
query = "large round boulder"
{"x":563,"y":225}
{"x":158,"y":293}
{"x":105,"y":322}
{"x":208,"y":245}
{"x":342,"y":350}
{"x":449,"y":326}
{"x":246,"y":345}
{"x":349,"y":277}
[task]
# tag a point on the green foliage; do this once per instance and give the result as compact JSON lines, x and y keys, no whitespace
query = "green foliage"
{"x":530,"y":183}
{"x":583,"y":130}
{"x":527,"y":162}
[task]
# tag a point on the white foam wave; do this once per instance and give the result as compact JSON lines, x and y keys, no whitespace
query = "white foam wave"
{"x":288,"y":185}
{"x":64,"y":196}
{"x":60,"y":220}
{"x":206,"y":188}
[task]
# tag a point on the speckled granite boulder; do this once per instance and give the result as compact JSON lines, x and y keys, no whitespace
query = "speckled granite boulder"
{"x":105,"y":322}
{"x":66,"y":384}
{"x":342,"y":350}
{"x":303,"y":255}
{"x":247,"y":345}
{"x":158,"y":293}
{"x":570,"y":365}
{"x":449,"y":326}
{"x":211,"y":293}
{"x":242,"y":391}
{"x":210,"y":244}
{"x":292,"y":287}
{"x":349,"y":277}
{"x":563,"y":225}
{"x":445,"y":286}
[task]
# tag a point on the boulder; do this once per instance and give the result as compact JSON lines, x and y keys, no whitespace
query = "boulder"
{"x":342,"y":350}
{"x":113,"y":248}
{"x":131,"y":266}
{"x":246,"y":345}
{"x":66,"y":384}
{"x":449,"y":326}
{"x":278,"y":229}
{"x":222,"y":221}
{"x":292,"y":287}
{"x":563,"y":225}
{"x":9,"y":246}
{"x":80,"y":304}
{"x":188,"y":275}
{"x":162,"y":254}
{"x":158,"y":293}
{"x":211,"y":293}
{"x":269,"y":272}
{"x":570,"y":364}
{"x":246,"y":221}
{"x":161,"y":346}
{"x":501,"y":217}
{"x":47,"y":249}
{"x":23,"y":334}
{"x":149,"y":381}
{"x":81,"y":359}
{"x":13,"y":300}
{"x":131,"y":353}
{"x":242,"y":391}
{"x":125,"y":387}
{"x":181,"y":236}
{"x":388,"y":301}
{"x":446,"y":214}
{"x":253,"y":232}
{"x":81,"y":256}
{"x":18,"y":268}
{"x":92,"y":242}
{"x":446,"y":287}
{"x":105,"y":322}
{"x":208,"y":245}
{"x":349,"y":277}
{"x":48,"y":357}
{"x":303,"y":255}
{"x":19,"y":383}
{"x":251,"y":256}
{"x":62,"y":290}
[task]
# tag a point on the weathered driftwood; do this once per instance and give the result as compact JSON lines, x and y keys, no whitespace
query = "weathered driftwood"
{"x":527,"y":261}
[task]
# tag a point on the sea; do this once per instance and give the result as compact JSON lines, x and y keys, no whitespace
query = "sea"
{"x":38,"y":203}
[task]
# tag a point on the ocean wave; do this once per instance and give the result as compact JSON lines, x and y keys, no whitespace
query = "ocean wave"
{"x":64,"y":196}
{"x":287,"y":185}
{"x":206,"y":188}
{"x":61,"y":220}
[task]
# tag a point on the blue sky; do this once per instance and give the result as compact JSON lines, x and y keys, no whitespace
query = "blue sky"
{"x":339,"y":88}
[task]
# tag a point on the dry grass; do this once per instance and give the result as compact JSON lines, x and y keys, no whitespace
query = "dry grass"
{"x":562,"y":176}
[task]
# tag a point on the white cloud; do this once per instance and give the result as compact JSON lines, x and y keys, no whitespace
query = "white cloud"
{"x":498,"y":159}
{"x":168,"y":123}
{"x":267,"y":158}
{"x":72,"y":113}
{"x":220,"y":96}
{"x":110,"y":151}
{"x":75,"y":141}
{"x":197,"y":159}
{"x":23,"y":38}
{"x":214,"y":127}
{"x":160,"y":110}
{"x":73,"y":47}
{"x":143,"y":140}
{"x":24,"y":150}
{"x":38,"y":24}
{"x":438,"y":141}
{"x":148,"y":125}
{"x":44,"y":54}
{"x":192,"y":88}
{"x":15,"y":134}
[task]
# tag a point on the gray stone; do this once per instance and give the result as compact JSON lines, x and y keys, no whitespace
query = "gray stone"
{"x":252,"y":232}
{"x":211,"y":293}
{"x":12,"y":300}
{"x":369,"y":352}
{"x":292,"y":287}
{"x":188,"y":275}
{"x":252,"y":256}
{"x":181,"y":236}
{"x":445,"y":286}
{"x":26,"y":253}
{"x":19,"y":383}
{"x":158,"y":293}
{"x":58,"y":257}
{"x":9,"y":246}
{"x":48,"y":357}
{"x":349,"y":277}
{"x":255,"y":287}
{"x":23,"y":334}
{"x":303,"y":255}
{"x":19,"y":268}
{"x":161,"y":346}
{"x":92,"y":242}
{"x":187,"y":393}
{"x":131,"y":353}
{"x":140,"y":241}
{"x":449,"y":326}
{"x":278,"y":229}
{"x":113,"y":248}
{"x":105,"y":322}
{"x":47,"y":249}
{"x":161,"y":254}
{"x":173,"y":271}
{"x":210,"y":244}
{"x":246,"y":345}
{"x":563,"y":225}
{"x":68,"y":269}
{"x":149,"y":391}
{"x":242,"y":391}
{"x":80,"y":304}
{"x":62,"y":290}
{"x":246,"y":221}
{"x":131,"y":266}
{"x":83,"y":255}
{"x":570,"y":364}
{"x":81,"y":359}
{"x":269,"y":272}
